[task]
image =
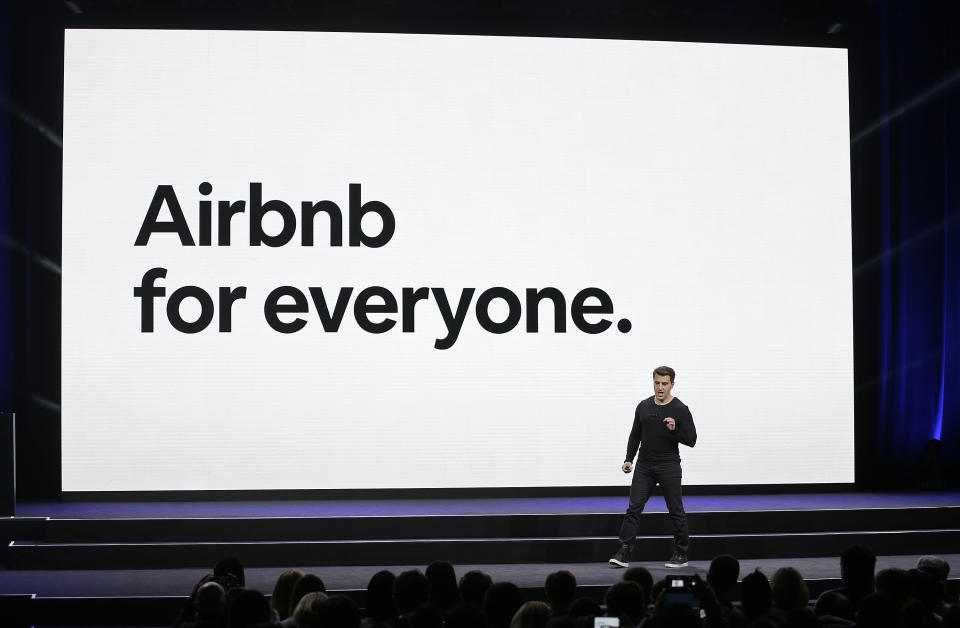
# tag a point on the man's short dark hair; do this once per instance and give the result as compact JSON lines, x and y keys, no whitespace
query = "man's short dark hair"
{"x":560,"y":589}
{"x":756,"y":596}
{"x":643,"y":577}
{"x":410,"y":590}
{"x":473,"y":586}
{"x":935,"y":566}
{"x":665,"y":371}
{"x":856,"y":567}
{"x":723,"y":573}
{"x":626,"y":598}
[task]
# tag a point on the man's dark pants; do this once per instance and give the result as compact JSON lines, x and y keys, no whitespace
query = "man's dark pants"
{"x":646,"y":475}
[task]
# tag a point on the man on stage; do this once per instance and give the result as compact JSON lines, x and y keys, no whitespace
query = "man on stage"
{"x":659,"y":424}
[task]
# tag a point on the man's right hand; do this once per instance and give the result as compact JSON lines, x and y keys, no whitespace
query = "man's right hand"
{"x":627,"y":467}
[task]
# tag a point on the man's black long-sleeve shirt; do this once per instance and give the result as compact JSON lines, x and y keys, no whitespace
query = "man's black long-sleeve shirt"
{"x":659,"y":444}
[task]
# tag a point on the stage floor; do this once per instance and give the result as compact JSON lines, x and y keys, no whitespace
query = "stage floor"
{"x":478,"y":506}
{"x":762,"y":527}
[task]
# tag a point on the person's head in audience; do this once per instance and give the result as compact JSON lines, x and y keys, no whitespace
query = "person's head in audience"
{"x":280,"y":600}
{"x":338,"y":611}
{"x":559,"y":589}
{"x":246,"y":608}
{"x":466,"y":615}
{"x":307,"y":583}
{"x":380,"y":604}
{"x":857,"y":565}
{"x":935,"y":566}
{"x":926,"y":589}
{"x":210,"y":601}
{"x":895,"y":583}
{"x":531,"y":615}
{"x":502,"y":600}
{"x":643,"y":577}
{"x":230,"y":566}
{"x":227,"y":585}
{"x":306,"y":613}
{"x":878,"y":610}
{"x":585,"y":607}
{"x":789,"y":589}
{"x":755,"y":595}
{"x":473,"y":586}
{"x":410,"y":590}
{"x":834,"y":604}
{"x":940,"y":570}
{"x":723,"y":573}
{"x":626,"y":599}
{"x":443,"y":584}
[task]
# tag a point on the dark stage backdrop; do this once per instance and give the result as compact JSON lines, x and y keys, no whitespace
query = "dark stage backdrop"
{"x":6,"y":307}
{"x":905,"y":82}
{"x":906,"y":172}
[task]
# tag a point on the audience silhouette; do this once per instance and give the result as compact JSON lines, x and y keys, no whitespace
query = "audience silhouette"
{"x":559,"y":591}
{"x":381,"y":608}
{"x":473,"y":588}
{"x":442,"y":579}
{"x":891,"y":598}
{"x":282,"y":590}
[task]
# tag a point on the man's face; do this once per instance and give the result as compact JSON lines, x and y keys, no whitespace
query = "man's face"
{"x":662,"y":386}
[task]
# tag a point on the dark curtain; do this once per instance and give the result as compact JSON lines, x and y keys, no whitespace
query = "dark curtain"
{"x":905,"y":70}
{"x":6,"y":352}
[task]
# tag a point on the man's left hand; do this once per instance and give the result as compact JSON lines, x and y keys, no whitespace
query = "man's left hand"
{"x":670,"y":423}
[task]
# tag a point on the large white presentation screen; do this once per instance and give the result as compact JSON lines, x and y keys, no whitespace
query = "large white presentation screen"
{"x":335,"y":260}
